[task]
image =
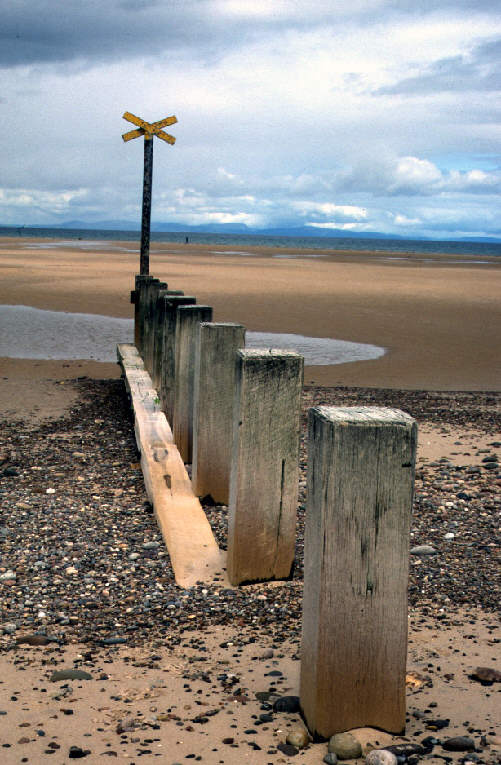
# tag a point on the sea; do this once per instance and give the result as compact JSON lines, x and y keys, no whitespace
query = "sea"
{"x":91,"y":238}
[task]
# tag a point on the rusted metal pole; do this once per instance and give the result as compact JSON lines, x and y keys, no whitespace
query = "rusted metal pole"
{"x":144,"y":263}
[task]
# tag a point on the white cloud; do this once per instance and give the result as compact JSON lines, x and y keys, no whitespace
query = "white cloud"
{"x":330,"y":209}
{"x":334,"y":114}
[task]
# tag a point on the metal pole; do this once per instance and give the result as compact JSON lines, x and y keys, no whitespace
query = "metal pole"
{"x":144,"y":265}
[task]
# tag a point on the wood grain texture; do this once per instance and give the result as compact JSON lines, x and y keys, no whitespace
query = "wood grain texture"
{"x":167,"y":385}
{"x":215,"y":370}
{"x":141,"y":283}
{"x":189,"y":318}
{"x":194,"y":553}
{"x":354,"y":645}
{"x":264,"y":472}
{"x":152,"y":291}
{"x":158,"y":333}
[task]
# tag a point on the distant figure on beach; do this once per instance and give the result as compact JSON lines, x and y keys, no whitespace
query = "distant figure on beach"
{"x":186,"y":239}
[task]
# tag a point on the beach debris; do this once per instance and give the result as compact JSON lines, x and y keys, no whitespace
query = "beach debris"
{"x":416,"y":680}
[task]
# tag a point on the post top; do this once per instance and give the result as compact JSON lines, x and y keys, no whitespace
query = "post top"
{"x":211,"y":324}
{"x":191,"y":308}
{"x":266,"y":353}
{"x":363,"y":415}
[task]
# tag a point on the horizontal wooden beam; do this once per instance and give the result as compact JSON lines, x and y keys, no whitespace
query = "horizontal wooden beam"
{"x":193,"y":550}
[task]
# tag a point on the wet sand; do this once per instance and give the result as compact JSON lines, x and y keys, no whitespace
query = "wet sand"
{"x":439,"y":317}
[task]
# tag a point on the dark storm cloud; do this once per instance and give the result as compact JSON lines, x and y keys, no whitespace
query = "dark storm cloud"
{"x":479,"y":71}
{"x":39,"y":31}
{"x":36,"y":31}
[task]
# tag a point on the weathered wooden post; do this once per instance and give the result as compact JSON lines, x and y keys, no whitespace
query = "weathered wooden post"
{"x":148,"y":130}
{"x":215,"y":368}
{"x":264,"y":472}
{"x":138,"y":297}
{"x":356,"y":556}
{"x":188,"y":319}
{"x":158,"y":334}
{"x":152,"y":290}
{"x":167,"y":391}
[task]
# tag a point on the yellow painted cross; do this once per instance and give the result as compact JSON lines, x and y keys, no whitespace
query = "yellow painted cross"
{"x":149,"y":129}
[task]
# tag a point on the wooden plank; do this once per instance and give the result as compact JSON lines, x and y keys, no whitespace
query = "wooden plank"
{"x":194,"y":553}
{"x":356,"y":557}
{"x":167,"y":137}
{"x":132,"y":134}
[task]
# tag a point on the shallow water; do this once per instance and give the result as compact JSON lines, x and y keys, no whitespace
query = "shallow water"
{"x":31,"y":333}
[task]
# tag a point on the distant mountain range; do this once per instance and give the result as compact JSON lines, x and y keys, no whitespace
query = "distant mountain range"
{"x":241,"y":228}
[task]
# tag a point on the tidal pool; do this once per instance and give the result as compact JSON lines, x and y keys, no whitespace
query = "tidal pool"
{"x":32,"y":333}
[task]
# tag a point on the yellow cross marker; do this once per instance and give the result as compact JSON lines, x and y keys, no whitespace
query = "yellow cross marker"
{"x":149,"y":129}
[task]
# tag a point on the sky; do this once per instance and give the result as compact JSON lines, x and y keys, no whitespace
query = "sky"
{"x":367,"y":115}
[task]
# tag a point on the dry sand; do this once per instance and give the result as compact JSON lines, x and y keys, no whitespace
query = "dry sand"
{"x":440,"y":322}
{"x":178,"y":692}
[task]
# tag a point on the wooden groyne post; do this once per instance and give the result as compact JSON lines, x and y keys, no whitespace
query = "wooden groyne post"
{"x":153,"y":288}
{"x":264,"y":471}
{"x":158,"y":329}
{"x":215,"y":371}
{"x":189,"y":317}
{"x":167,"y":390}
{"x":356,"y":557}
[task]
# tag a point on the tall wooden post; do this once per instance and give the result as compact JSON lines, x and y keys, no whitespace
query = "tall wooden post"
{"x":148,"y":130}
{"x":356,"y":558}
{"x":144,"y":261}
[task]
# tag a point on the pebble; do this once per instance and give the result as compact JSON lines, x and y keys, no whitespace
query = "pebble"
{"x":330,"y":758}
{"x":288,"y":704}
{"x":381,"y":757}
{"x":345,"y":746}
{"x":77,"y":753}
{"x":486,"y":675}
{"x":459,"y":744}
{"x":69,"y":674}
{"x":423,"y":550}
{"x":298,"y":737}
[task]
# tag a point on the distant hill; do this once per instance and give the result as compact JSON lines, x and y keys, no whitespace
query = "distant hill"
{"x":240,"y":228}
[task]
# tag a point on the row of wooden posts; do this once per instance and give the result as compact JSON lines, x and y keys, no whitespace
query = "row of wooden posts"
{"x":235,"y":414}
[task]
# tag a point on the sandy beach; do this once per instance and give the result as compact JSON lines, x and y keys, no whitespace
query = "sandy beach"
{"x":173,"y":674}
{"x":439,"y":317}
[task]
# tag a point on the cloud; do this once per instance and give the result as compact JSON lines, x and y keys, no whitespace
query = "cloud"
{"x":478,"y":71}
{"x":289,"y":112}
{"x":328,"y":209}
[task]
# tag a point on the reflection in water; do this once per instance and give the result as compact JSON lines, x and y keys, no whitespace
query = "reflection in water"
{"x":30,"y":333}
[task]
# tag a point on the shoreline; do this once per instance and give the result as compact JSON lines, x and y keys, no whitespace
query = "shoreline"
{"x":440,"y":322}
{"x":256,"y":240}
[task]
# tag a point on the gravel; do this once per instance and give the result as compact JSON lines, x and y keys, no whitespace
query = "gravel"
{"x":82,"y":558}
